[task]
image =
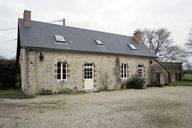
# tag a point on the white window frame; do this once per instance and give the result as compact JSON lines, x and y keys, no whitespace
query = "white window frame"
{"x":61,"y":71}
{"x":88,"y":71}
{"x":124,"y":71}
{"x":60,"y":39}
{"x":99,"y":42}
{"x":140,"y":72}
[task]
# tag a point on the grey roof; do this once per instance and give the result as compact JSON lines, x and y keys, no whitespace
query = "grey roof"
{"x":41,"y":35}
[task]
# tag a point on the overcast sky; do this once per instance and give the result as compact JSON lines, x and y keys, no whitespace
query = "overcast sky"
{"x":116,"y":16}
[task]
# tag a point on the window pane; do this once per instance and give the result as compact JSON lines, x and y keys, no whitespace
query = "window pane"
{"x":64,"y":70}
{"x":64,"y":76}
{"x":58,"y":76}
{"x":58,"y":70}
{"x":124,"y":71}
{"x":140,"y":72}
{"x":125,"y":75}
{"x":59,"y":65}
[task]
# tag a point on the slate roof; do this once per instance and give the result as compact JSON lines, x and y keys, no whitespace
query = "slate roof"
{"x":41,"y":35}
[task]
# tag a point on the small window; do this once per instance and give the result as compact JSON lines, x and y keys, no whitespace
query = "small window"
{"x":98,"y":42}
{"x":140,"y":71}
{"x":61,"y":71}
{"x":132,"y":46}
{"x":60,"y":39}
{"x":124,"y":71}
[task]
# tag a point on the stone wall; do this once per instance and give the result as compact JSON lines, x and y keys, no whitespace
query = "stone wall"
{"x":37,"y":75}
{"x":155,"y":67}
{"x":174,"y":68}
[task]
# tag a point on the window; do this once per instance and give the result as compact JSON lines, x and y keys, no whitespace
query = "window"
{"x":140,"y":72}
{"x":98,"y":42}
{"x":61,"y":71}
{"x":88,"y":71}
{"x":132,"y":46}
{"x":60,"y":39}
{"x":124,"y":71}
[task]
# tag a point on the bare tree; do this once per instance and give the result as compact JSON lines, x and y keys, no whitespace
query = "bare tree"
{"x":188,"y":44}
{"x":188,"y":66}
{"x":161,"y":44}
{"x":157,"y":40}
{"x":173,"y":53}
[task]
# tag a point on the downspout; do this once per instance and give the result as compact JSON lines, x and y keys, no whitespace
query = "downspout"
{"x":27,"y":70}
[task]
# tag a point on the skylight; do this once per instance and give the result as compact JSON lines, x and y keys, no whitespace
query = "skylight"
{"x":98,"y":42}
{"x":132,"y":46}
{"x":59,"y":38}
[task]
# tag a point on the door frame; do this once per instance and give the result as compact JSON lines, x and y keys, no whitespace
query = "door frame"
{"x":88,"y":76}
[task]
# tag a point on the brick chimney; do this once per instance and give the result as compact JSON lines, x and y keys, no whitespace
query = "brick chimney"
{"x":137,"y":36}
{"x":27,"y":18}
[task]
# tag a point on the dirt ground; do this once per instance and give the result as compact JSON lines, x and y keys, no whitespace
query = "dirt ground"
{"x":167,"y":107}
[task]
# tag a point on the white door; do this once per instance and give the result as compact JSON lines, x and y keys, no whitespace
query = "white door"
{"x":88,"y":76}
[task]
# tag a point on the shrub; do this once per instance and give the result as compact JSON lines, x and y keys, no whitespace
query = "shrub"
{"x":187,"y":77}
{"x":8,"y":73}
{"x":136,"y":82}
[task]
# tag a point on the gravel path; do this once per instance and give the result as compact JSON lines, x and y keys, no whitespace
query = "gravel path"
{"x":168,"y":107}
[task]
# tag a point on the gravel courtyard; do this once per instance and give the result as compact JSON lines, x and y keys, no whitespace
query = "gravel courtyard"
{"x":168,"y":107}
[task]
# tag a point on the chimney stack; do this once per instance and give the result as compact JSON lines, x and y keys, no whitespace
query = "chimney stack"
{"x":27,"y":18}
{"x":63,"y":21}
{"x":137,"y":36}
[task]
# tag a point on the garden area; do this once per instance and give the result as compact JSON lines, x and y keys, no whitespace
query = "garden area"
{"x":186,"y":79}
{"x":9,"y":87}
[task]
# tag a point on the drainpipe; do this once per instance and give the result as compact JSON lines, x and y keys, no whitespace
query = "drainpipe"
{"x":27,"y":69}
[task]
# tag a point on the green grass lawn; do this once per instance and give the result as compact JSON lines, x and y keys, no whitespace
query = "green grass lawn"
{"x":13,"y":94}
{"x":181,"y":83}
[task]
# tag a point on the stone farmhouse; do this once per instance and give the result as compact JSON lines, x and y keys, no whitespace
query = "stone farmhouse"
{"x":56,"y":57}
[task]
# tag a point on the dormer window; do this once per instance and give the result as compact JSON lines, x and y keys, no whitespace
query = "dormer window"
{"x":98,"y":42}
{"x":132,"y":46}
{"x":59,"y":39}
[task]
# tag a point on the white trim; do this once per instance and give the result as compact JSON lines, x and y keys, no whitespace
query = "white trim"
{"x":61,"y":73}
{"x":124,"y":71}
{"x":89,"y":77}
{"x":60,"y":38}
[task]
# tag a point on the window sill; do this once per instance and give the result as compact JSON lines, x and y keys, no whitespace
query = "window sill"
{"x":64,"y":80}
{"x":124,"y":79}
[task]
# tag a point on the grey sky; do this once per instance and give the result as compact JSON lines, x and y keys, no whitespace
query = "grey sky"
{"x":116,"y":16}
